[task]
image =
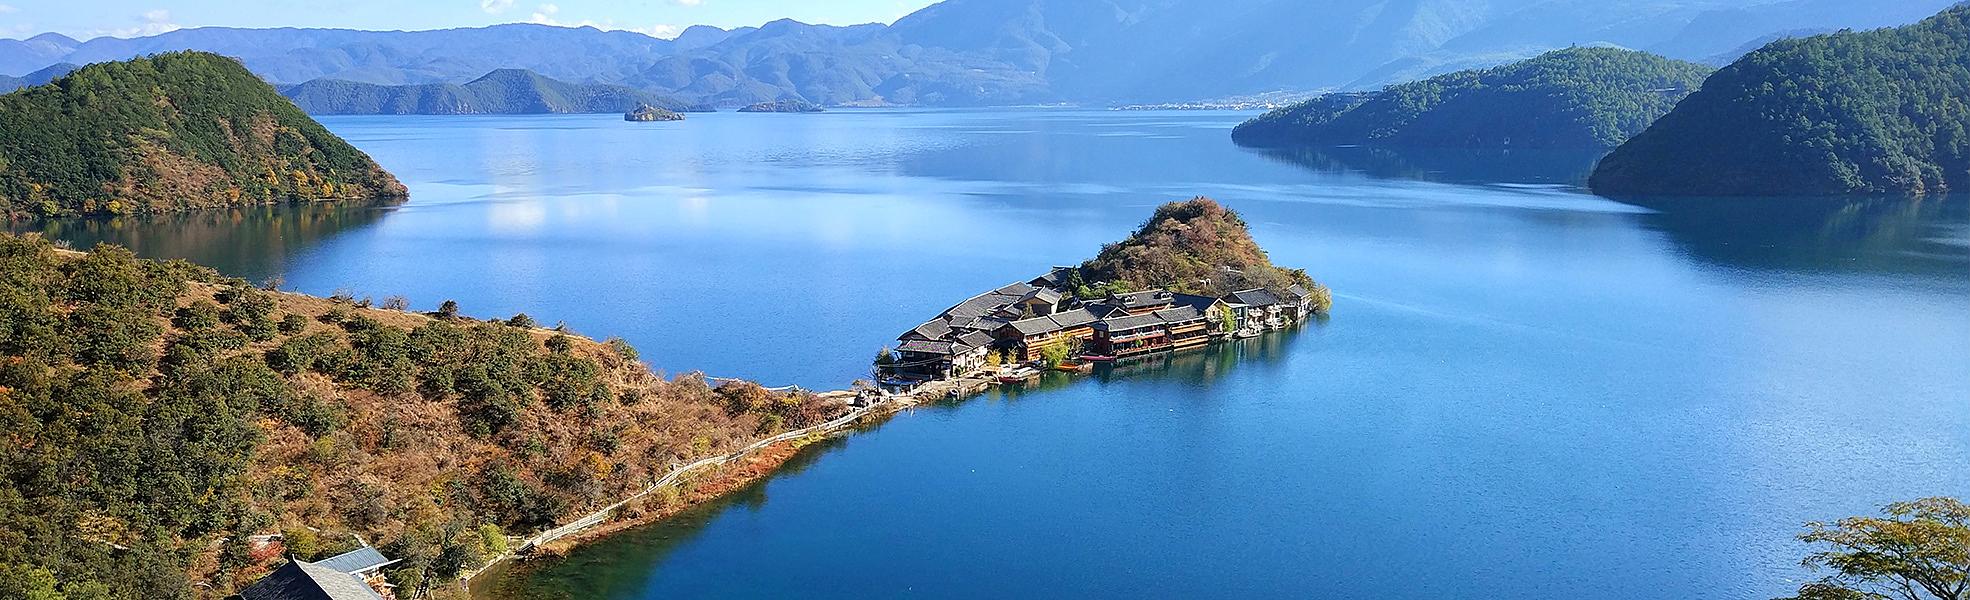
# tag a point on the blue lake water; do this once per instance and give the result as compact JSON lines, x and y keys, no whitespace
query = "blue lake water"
{"x":1524,"y":391}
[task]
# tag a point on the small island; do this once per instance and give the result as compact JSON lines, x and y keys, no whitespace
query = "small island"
{"x":647,"y":113}
{"x":784,"y":106}
{"x":1189,"y":277}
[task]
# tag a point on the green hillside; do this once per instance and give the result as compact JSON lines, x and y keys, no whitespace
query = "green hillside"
{"x":156,"y":415}
{"x":1573,"y":98}
{"x":505,"y":91}
{"x":170,"y":132}
{"x":1876,"y":112}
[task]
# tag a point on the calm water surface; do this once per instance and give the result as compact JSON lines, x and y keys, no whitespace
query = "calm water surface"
{"x":1525,"y":391}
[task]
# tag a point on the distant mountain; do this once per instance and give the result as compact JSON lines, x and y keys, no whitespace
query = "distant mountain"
{"x":1877,"y":112}
{"x":45,"y":75}
{"x":289,"y":55}
{"x":172,"y":132}
{"x":1573,"y":98}
{"x":1728,"y":29}
{"x":19,"y":57}
{"x":505,"y":91}
{"x":1001,"y":52}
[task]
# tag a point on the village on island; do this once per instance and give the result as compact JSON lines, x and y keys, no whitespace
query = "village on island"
{"x":1016,"y":332}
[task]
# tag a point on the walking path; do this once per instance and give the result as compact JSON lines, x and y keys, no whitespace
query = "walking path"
{"x":887,"y":402}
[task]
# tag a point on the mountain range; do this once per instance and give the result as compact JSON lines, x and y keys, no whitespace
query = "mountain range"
{"x":505,"y":91}
{"x":998,"y":52}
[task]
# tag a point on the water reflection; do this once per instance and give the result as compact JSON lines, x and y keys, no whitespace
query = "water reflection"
{"x":1568,"y":167}
{"x":1919,"y":236}
{"x":254,"y":243}
{"x":621,"y":565}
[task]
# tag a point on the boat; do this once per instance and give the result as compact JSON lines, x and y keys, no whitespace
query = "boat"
{"x":1074,"y":367}
{"x":1098,"y":358}
{"x":1018,"y":374}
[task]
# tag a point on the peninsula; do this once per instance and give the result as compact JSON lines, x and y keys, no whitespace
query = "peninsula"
{"x":203,"y":428}
{"x":1190,"y":276}
{"x":171,"y":132}
{"x":784,"y":106}
{"x":1572,"y":98}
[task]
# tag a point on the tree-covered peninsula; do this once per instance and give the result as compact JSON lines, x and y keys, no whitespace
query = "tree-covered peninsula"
{"x":175,"y":131}
{"x":1572,"y":98}
{"x":1196,"y":246}
{"x":504,"y":91}
{"x":783,"y":106}
{"x":156,"y":415}
{"x":1874,"y":112}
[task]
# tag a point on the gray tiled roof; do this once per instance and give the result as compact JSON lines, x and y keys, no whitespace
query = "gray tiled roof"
{"x":1015,"y":289}
{"x":1296,"y":292}
{"x":306,"y":581}
{"x":925,"y":347}
{"x":934,"y":329}
{"x":360,"y":559}
{"x":1178,"y":314}
{"x":1103,"y":311}
{"x":1073,"y":318}
{"x":1201,"y":303}
{"x":1254,"y":297}
{"x":1035,"y":326}
{"x":1143,"y":298}
{"x":974,"y":339}
{"x":1127,"y":322}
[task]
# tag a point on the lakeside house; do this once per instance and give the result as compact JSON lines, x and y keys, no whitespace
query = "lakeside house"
{"x":1019,"y":322}
{"x":353,"y":575}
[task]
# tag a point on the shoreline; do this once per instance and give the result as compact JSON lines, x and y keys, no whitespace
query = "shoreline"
{"x":729,"y":472}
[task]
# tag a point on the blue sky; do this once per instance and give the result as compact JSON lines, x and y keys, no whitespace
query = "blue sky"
{"x":83,"y":19}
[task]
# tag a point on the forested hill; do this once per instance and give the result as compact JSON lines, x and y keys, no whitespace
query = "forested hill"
{"x":170,"y":132}
{"x":1883,"y":111}
{"x":505,"y":91}
{"x":1573,"y":98}
{"x":156,"y":415}
{"x":1195,"y":246}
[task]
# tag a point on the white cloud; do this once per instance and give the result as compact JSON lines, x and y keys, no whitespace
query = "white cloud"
{"x":151,"y":23}
{"x":687,"y":2}
{"x":545,"y":14}
{"x":8,"y":8}
{"x":495,"y":6}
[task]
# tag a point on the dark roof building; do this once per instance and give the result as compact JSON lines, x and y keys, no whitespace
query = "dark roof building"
{"x":1253,"y":297}
{"x":299,"y":580}
{"x":1056,"y":279}
{"x":1134,"y":301}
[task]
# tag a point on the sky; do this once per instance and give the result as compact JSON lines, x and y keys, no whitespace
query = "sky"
{"x":84,"y":19}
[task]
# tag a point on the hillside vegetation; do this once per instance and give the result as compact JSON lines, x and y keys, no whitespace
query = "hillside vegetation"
{"x":1876,"y":112}
{"x":1197,"y":247}
{"x":156,"y":414}
{"x":505,"y":91}
{"x":170,"y":132}
{"x":1573,"y":98}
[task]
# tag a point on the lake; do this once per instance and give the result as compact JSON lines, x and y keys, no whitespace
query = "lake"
{"x":1524,"y":391}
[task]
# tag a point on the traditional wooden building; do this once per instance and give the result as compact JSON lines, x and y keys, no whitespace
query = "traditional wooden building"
{"x":1257,"y":309}
{"x":1024,"y":339}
